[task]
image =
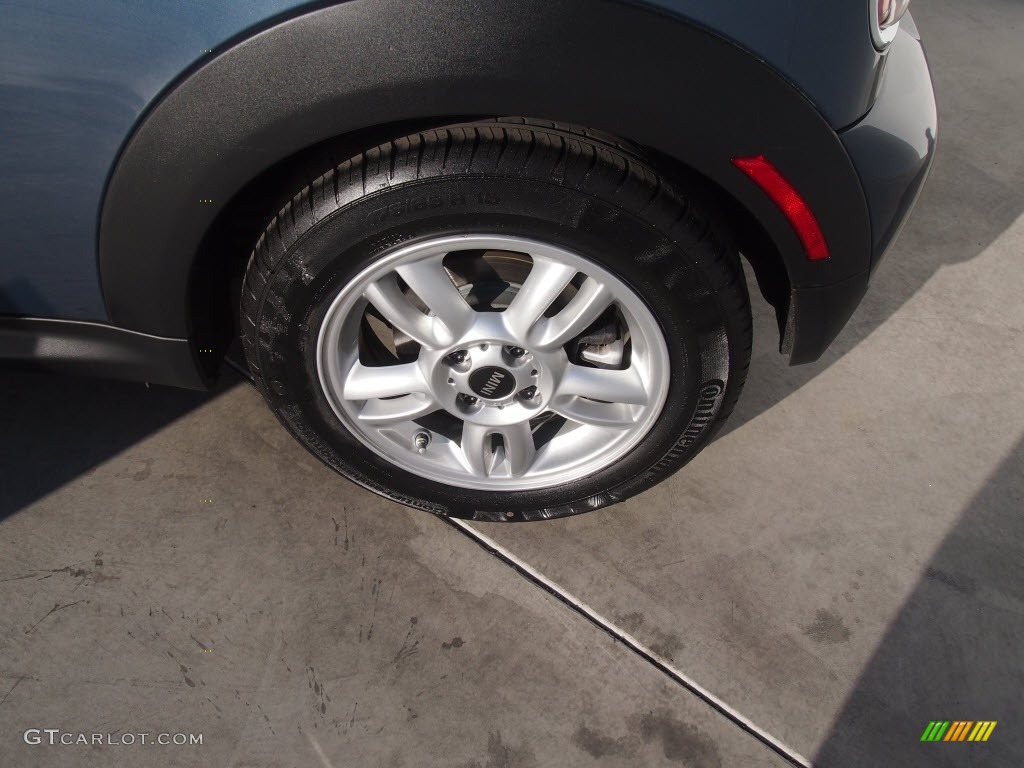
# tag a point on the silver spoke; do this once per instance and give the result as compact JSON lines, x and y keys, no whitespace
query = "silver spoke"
{"x":396,"y":308}
{"x":430,"y":280}
{"x":599,"y":384}
{"x":514,"y":456}
{"x":399,"y":409}
{"x":368,"y":382}
{"x":476,"y":448}
{"x":610,"y":415}
{"x":586,"y":306}
{"x":546,"y":280}
{"x":520,"y":449}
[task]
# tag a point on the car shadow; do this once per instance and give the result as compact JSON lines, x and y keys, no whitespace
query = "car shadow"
{"x":58,"y":428}
{"x":954,"y":650}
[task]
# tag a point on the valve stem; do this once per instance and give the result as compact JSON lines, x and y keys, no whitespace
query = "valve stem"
{"x":421,"y":441}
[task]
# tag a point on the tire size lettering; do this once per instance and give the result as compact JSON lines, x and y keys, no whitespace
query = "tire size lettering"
{"x":433,"y":200}
{"x":707,"y":406}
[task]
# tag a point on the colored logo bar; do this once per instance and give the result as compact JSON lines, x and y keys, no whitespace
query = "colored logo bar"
{"x":958,"y":730}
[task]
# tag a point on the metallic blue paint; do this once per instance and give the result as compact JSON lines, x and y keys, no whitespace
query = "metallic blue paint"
{"x":74,"y":79}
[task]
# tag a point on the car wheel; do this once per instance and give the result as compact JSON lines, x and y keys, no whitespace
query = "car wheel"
{"x":498,"y":321}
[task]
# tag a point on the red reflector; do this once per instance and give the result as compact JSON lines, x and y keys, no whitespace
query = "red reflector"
{"x":782,"y":193}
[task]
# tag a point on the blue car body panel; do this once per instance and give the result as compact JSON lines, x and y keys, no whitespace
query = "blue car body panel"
{"x":75,"y":79}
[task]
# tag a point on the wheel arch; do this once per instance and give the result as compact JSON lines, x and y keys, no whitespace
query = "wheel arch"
{"x":361,"y":72}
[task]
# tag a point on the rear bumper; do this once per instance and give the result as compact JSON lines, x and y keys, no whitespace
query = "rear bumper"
{"x":892,"y":148}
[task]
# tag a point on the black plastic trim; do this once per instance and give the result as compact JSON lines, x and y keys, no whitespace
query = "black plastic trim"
{"x":817,"y":315}
{"x":95,"y":349}
{"x":660,"y":82}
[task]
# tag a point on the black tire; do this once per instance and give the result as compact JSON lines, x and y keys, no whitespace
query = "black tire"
{"x":550,"y":182}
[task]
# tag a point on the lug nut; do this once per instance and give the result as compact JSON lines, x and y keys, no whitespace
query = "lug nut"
{"x":421,"y":441}
{"x":457,"y":358}
{"x":466,"y":399}
{"x":515,"y":351}
{"x":529,"y":393}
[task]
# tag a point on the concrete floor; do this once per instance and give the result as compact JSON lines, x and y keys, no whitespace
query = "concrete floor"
{"x":172,"y":561}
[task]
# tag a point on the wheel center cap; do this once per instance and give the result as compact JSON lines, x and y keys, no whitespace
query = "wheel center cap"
{"x":492,"y":383}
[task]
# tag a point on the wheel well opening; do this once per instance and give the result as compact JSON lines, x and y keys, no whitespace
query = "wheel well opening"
{"x":215,"y":280}
{"x":750,"y":238}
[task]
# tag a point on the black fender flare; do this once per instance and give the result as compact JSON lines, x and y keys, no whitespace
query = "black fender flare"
{"x":655,"y":79}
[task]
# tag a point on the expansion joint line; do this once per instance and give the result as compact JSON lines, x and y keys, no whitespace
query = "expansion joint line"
{"x":656,"y":660}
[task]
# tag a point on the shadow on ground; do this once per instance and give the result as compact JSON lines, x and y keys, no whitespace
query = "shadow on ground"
{"x":954,"y":652}
{"x":58,"y":428}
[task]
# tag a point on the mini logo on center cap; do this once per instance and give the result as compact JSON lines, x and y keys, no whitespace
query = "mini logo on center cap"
{"x":492,"y":382}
